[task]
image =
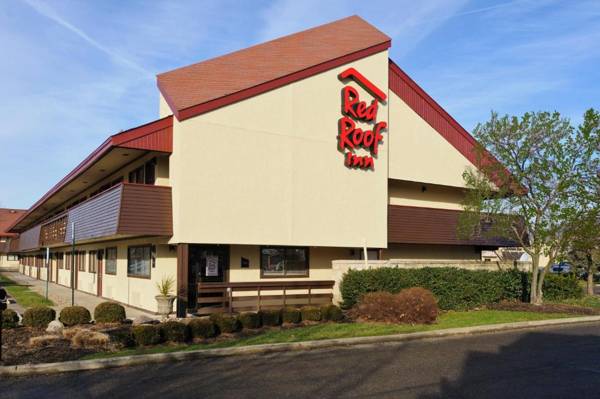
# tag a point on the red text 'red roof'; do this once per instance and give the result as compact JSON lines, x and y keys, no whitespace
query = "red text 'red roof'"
{"x":207,"y":85}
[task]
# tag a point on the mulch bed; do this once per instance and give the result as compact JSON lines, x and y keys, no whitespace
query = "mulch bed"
{"x":16,"y":348}
{"x":545,"y":308}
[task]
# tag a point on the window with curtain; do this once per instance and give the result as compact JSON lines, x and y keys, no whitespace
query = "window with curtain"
{"x":111,"y":261}
{"x":139,"y":261}
{"x":284,"y":261}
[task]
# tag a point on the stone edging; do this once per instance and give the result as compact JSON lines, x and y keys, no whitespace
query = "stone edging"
{"x":134,"y":360}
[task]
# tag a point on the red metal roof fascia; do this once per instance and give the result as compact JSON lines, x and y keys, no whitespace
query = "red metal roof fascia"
{"x":211,"y":105}
{"x":123,"y":139}
{"x":153,"y":136}
{"x":437,"y":117}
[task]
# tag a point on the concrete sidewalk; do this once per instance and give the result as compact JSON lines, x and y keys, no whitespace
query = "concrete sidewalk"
{"x":61,"y":296}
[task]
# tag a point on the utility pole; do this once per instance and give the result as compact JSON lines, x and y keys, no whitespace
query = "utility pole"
{"x":47,"y":270}
{"x":72,"y":263}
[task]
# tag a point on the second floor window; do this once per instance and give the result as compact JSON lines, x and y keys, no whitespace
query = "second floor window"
{"x":145,"y":174}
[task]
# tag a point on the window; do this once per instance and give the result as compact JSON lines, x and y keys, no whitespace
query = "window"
{"x":139,"y":261}
{"x":283,"y":261}
{"x":111,"y":260}
{"x":93,"y":262}
{"x":68,"y":260}
{"x":59,"y":260}
{"x":137,"y":175}
{"x":145,"y":174}
{"x":80,"y":261}
{"x":12,"y":257}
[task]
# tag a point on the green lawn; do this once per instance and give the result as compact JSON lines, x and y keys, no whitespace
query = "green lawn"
{"x":586,"y":301}
{"x":349,"y":330}
{"x":23,"y":295}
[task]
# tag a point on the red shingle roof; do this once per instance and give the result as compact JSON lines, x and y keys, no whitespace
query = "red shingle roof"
{"x":207,"y":85}
{"x":7,"y":218}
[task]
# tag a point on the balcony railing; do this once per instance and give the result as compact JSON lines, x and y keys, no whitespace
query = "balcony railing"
{"x":242,"y":296}
{"x":123,"y":210}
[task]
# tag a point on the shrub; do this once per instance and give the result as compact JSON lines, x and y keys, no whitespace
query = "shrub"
{"x":558,"y":287}
{"x":454,"y":288}
{"x":412,"y":305}
{"x":43,"y":340}
{"x":38,"y":316}
{"x":10,"y":318}
{"x":270,"y":317}
{"x":146,"y":334}
{"x":74,"y":315}
{"x":250,"y":320}
{"x":332,"y":313}
{"x":90,"y":339}
{"x":226,"y":323}
{"x":109,"y":312}
{"x":291,"y":315}
{"x":311,"y":313}
{"x":174,"y":331}
{"x":122,"y":335}
{"x":202,"y":328}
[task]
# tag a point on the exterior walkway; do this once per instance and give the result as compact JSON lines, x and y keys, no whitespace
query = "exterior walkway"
{"x":61,"y":296}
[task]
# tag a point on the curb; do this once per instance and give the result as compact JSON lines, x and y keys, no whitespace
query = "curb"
{"x":134,"y":360}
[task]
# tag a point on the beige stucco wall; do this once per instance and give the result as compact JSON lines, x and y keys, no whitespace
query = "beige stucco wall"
{"x":267,"y":170}
{"x":7,"y":264}
{"x":425,"y":195}
{"x":138,"y":292}
{"x":163,"y":107}
{"x":320,"y":259}
{"x":418,"y":152}
{"x":431,"y":252}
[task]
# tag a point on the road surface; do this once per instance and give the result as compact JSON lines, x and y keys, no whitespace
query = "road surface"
{"x":561,"y":362}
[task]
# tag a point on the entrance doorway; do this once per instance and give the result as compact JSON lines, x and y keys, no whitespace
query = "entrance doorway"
{"x":207,"y":264}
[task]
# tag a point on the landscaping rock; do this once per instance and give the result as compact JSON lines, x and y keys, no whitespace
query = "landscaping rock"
{"x":142,"y":319}
{"x":55,"y":327}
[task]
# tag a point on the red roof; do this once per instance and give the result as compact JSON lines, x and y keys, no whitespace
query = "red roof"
{"x":220,"y":81}
{"x":7,"y":218}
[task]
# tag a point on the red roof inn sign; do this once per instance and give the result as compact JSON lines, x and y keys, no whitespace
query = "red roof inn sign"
{"x":352,"y":137}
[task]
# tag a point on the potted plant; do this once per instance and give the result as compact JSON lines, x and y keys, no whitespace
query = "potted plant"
{"x":165,"y":297}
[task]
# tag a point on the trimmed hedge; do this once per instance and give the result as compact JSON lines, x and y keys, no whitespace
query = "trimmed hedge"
{"x":332,"y":313}
{"x":202,"y":328}
{"x":291,"y":315}
{"x":38,"y":316}
{"x":270,"y":317}
{"x":250,"y":320}
{"x":311,"y":313}
{"x":226,"y":323}
{"x":174,"y":331}
{"x":74,"y":315}
{"x":109,"y":312}
{"x":454,"y":288}
{"x":146,"y":334}
{"x":10,"y":318}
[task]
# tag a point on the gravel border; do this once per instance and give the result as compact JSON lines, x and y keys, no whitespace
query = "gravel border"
{"x":134,"y":360}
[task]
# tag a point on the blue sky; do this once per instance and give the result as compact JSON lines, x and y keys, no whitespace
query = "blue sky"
{"x":74,"y":72}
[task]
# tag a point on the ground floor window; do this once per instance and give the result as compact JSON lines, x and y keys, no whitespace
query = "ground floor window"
{"x":80,"y":261}
{"x":140,"y":260}
{"x":111,"y":260}
{"x":12,"y":257}
{"x":59,"y":260}
{"x":284,"y":261}
{"x":93,"y":262}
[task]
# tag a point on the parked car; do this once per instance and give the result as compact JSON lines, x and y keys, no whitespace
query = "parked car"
{"x":561,"y":268}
